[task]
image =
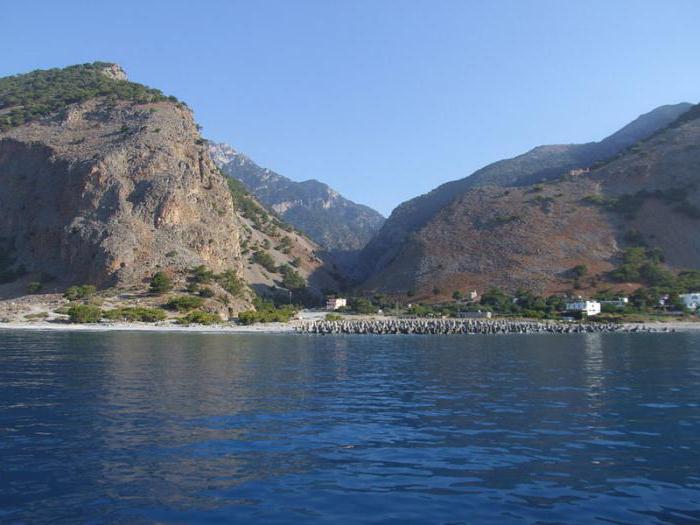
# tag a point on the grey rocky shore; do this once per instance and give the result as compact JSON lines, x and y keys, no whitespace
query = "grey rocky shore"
{"x":454,"y":327}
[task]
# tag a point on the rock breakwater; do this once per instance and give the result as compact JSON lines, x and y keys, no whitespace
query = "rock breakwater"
{"x":455,"y":327}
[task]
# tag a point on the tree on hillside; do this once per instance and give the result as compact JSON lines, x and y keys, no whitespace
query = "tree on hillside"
{"x":161,"y":283}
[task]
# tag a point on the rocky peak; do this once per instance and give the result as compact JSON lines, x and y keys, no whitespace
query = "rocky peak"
{"x":222,"y":153}
{"x":114,"y":71}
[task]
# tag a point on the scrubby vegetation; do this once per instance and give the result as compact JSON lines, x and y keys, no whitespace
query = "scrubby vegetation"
{"x":161,"y":283}
{"x":266,"y":312}
{"x":144,"y":315}
{"x":291,"y":279}
{"x":265,"y":260}
{"x":40,"y":93}
{"x":246,"y":204}
{"x":201,"y":275}
{"x":228,"y":280}
{"x":231,"y":282}
{"x":360,"y":305}
{"x":641,"y":264}
{"x":84,"y":313}
{"x":200,"y":317}
{"x":629,"y":205}
{"x":76,"y":293}
{"x":184,"y":303}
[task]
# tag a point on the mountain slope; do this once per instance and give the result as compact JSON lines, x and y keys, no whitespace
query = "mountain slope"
{"x":541,"y":164}
{"x":106,"y":181}
{"x":328,"y":218}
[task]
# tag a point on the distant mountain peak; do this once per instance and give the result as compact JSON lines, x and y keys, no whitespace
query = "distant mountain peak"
{"x":333,"y":221}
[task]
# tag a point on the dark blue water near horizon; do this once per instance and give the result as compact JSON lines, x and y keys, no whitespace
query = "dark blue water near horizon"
{"x":192,"y":428}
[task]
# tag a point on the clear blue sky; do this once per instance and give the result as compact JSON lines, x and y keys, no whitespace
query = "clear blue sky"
{"x":383,"y":100}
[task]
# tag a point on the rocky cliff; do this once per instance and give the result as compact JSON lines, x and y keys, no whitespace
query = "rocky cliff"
{"x":527,"y":221}
{"x":328,"y":218}
{"x":106,"y":181}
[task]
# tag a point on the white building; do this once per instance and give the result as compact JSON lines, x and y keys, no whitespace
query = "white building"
{"x":586,"y":307}
{"x":690,"y":300}
{"x":334,"y":303}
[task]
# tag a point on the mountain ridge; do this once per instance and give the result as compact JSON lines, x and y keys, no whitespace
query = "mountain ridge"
{"x":531,"y":235}
{"x":333,"y":221}
{"x":536,"y":165}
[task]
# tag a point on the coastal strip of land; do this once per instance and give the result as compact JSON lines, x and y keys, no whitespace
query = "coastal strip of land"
{"x":367,"y":326}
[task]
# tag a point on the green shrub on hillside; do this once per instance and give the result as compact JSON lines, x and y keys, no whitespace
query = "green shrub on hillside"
{"x":265,"y":260}
{"x":641,"y":264}
{"x":160,"y":283}
{"x":266,"y":312}
{"x":201,"y":275}
{"x":84,"y":313}
{"x":291,"y":279}
{"x":246,"y":204}
{"x":279,"y":315}
{"x":145,"y":315}
{"x":184,"y":303}
{"x":360,"y":305}
{"x":75,"y":293}
{"x":231,"y":282}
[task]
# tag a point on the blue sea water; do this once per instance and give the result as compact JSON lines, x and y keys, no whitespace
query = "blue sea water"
{"x":122,"y":427}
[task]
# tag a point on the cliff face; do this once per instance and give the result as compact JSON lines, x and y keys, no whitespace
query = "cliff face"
{"x":328,"y":218}
{"x":531,"y":235}
{"x":541,"y":164}
{"x":109,"y":191}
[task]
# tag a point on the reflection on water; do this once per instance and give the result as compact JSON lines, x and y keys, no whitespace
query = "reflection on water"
{"x":132,"y":428}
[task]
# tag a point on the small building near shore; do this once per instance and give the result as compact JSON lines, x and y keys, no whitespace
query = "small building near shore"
{"x":585,"y":307}
{"x":335,"y":303}
{"x":690,"y":300}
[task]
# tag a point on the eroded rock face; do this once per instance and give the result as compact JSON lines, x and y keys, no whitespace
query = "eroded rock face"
{"x":110,"y":192}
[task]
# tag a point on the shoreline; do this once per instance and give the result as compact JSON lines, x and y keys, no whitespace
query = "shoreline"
{"x":294,"y":327}
{"x":266,"y":328}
